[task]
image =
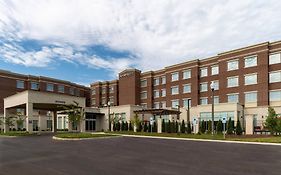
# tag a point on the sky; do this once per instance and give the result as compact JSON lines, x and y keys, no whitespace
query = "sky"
{"x":84,"y":41}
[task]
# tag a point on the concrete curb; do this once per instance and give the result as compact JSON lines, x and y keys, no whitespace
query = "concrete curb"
{"x":91,"y":138}
{"x":5,"y":136}
{"x":201,"y":140}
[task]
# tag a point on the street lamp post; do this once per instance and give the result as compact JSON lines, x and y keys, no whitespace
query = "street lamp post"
{"x":212,"y":88}
{"x":188,"y":110}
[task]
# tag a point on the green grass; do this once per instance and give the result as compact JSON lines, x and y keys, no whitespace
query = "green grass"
{"x":272,"y":139}
{"x":82,"y":135}
{"x":16,"y":133}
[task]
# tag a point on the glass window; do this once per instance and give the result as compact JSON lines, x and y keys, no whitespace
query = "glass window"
{"x":275,"y":58}
{"x":50,"y":87}
{"x":216,"y":84}
{"x":71,"y":90}
{"x":186,"y":74}
{"x":186,"y":88}
{"x":163,"y":92}
{"x":93,"y":91}
{"x":185,"y":102}
{"x":77,"y":92}
{"x":251,"y":79}
{"x":61,"y":88}
{"x":144,"y":105}
{"x":163,"y":80}
{"x":20,"y":84}
{"x":251,"y":61}
{"x":175,"y":103}
{"x":203,"y":72}
{"x":275,"y":77}
{"x":156,"y":105}
{"x":156,"y":81}
{"x":175,"y":76}
{"x":251,"y":97}
{"x":215,"y":70}
{"x":156,"y":93}
{"x":203,"y":101}
{"x":144,"y":95}
{"x":111,"y":89}
{"x":232,"y":81}
{"x":93,"y":101}
{"x":103,"y":90}
{"x":175,"y":90}
{"x":163,"y":104}
{"x":143,"y":83}
{"x":232,"y":65}
{"x":203,"y":87}
{"x":34,"y":85}
{"x":103,"y":101}
{"x":275,"y":95}
{"x":216,"y":100}
{"x":217,"y":115}
{"x":233,"y":98}
{"x":111,"y":100}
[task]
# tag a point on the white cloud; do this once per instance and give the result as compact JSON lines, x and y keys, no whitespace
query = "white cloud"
{"x":158,"y":32}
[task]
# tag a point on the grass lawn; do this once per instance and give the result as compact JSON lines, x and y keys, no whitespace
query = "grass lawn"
{"x":271,"y":139}
{"x":82,"y":135}
{"x":16,"y":133}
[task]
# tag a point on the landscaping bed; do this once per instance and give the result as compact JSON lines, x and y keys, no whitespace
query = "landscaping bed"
{"x":16,"y":133}
{"x":82,"y":135}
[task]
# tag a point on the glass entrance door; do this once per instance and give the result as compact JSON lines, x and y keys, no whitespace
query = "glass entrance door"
{"x":35,"y":125}
{"x":90,"y":125}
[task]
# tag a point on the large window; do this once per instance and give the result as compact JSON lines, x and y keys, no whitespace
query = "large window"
{"x":204,"y":72}
{"x":144,"y":105}
{"x":233,"y":98}
{"x":275,"y":95}
{"x":50,"y":87}
{"x":232,"y":81}
{"x":175,"y":103}
{"x":275,"y":77}
{"x":61,"y":88}
{"x":71,"y":90}
{"x":144,"y":95}
{"x":111,"y":89}
{"x":275,"y":58}
{"x":111,"y":100}
{"x":217,"y":115}
{"x":34,"y":85}
{"x":20,"y":84}
{"x":250,"y":97}
{"x":203,"y":87}
{"x":163,"y":80}
{"x":156,"y":105}
{"x":251,"y":79}
{"x":163,"y":104}
{"x":186,"y":101}
{"x":186,"y":88}
{"x":163,"y":92}
{"x":93,"y":91}
{"x":216,"y":100}
{"x":251,"y":61}
{"x":186,"y":74}
{"x":103,"y":90}
{"x":175,"y":76}
{"x":203,"y":101}
{"x":216,"y":84}
{"x":232,"y":65}
{"x":156,"y":81}
{"x":143,"y":83}
{"x":175,"y":90}
{"x":215,"y":70}
{"x":156,"y":93}
{"x":93,"y":101}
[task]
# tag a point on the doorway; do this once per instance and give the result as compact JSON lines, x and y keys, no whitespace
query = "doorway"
{"x":90,"y":122}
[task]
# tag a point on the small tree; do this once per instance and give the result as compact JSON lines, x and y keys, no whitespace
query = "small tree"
{"x":154,"y":128}
{"x":209,"y":126}
{"x":238,"y":128}
{"x":149,"y":127}
{"x":271,"y":120}
{"x":118,"y":126}
{"x":163,"y":126}
{"x":219,"y":127}
{"x":183,"y":127}
{"x":131,"y":126}
{"x":173,"y":128}
{"x":188,"y":128}
{"x":230,"y":126}
{"x":145,"y":127}
{"x":203,"y":127}
{"x":169,"y":127}
{"x":9,"y":121}
{"x":126,"y":126}
{"x":176,"y":127}
{"x":139,"y":127}
{"x":122,"y":126}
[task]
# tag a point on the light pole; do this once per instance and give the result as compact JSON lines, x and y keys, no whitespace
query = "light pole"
{"x":212,"y":88}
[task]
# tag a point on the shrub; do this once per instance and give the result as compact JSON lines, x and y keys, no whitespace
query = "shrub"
{"x":149,"y":127}
{"x":145,"y":127}
{"x":163,"y":126}
{"x":176,"y":127}
{"x":126,"y":126}
{"x":169,"y":127}
{"x":173,"y":127}
{"x":238,"y":128}
{"x":122,"y":126}
{"x":139,"y":127}
{"x":183,"y":127}
{"x":188,"y":128}
{"x":131,"y":126}
{"x":203,"y":126}
{"x":117,"y":126}
{"x":219,"y":128}
{"x":209,"y":127}
{"x":230,"y":126}
{"x":154,"y":128}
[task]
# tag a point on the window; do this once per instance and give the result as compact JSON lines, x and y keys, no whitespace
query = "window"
{"x":93,"y":101}
{"x":163,"y":80}
{"x":156,"y":93}
{"x":156,"y":81}
{"x":175,"y":103}
{"x":175,"y":90}
{"x":275,"y":58}
{"x":50,"y":87}
{"x":34,"y":85}
{"x":251,"y":79}
{"x":144,"y":95}
{"x":186,"y":88}
{"x":232,"y":81}
{"x":275,"y":95}
{"x":186,"y":74}
{"x":203,"y":87}
{"x":111,"y":89}
{"x":163,"y":92}
{"x":111,"y":100}
{"x":144,"y":105}
{"x":77,"y":92}
{"x":163,"y":104}
{"x":216,"y":100}
{"x":103,"y":101}
{"x":204,"y":72}
{"x":250,"y":97}
{"x":103,"y":90}
{"x":203,"y":101}
{"x":215,"y":70}
{"x":185,"y":102}
{"x":20,"y":84}
{"x":143,"y":83}
{"x":232,"y":98}
{"x":275,"y":77}
{"x":251,"y":61}
{"x":216,"y":84}
{"x":93,"y":91}
{"x":156,"y":105}
{"x":232,"y":65}
{"x":61,"y":88}
{"x":175,"y":76}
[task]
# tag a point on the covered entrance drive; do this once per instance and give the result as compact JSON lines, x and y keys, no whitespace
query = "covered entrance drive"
{"x":31,"y":101}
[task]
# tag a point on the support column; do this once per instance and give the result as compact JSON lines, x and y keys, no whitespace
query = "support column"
{"x":4,"y":122}
{"x":29,"y":114}
{"x":39,"y":122}
{"x":159,"y":125}
{"x":249,"y":124}
{"x":54,"y":121}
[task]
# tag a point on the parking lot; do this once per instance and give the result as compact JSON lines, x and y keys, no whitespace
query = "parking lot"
{"x":42,"y":155}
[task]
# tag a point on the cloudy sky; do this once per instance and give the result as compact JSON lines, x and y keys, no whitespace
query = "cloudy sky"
{"x":89,"y":40}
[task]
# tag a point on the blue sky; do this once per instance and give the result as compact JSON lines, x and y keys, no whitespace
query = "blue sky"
{"x":91,"y":40}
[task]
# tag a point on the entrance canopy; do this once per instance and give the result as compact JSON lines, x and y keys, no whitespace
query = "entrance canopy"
{"x":158,"y":112}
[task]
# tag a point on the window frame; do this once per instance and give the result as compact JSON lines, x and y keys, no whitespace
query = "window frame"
{"x":21,"y":83}
{"x":231,"y":61}
{"x":232,"y":78}
{"x":248,"y":57}
{"x":248,"y":75}
{"x":175,"y":73}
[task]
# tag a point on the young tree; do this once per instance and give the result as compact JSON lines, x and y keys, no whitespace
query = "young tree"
{"x":188,"y":128}
{"x":230,"y":126}
{"x":163,"y":126}
{"x":126,"y":126}
{"x":118,"y":126}
{"x":9,"y":121}
{"x":139,"y":127}
{"x":149,"y":127}
{"x":238,"y":128}
{"x":122,"y":126}
{"x":209,"y":126}
{"x":169,"y":127}
{"x":176,"y":127}
{"x":173,"y":129}
{"x":203,"y":127}
{"x":271,"y":120}
{"x":219,"y":128}
{"x":145,"y":127}
{"x":183,"y":127}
